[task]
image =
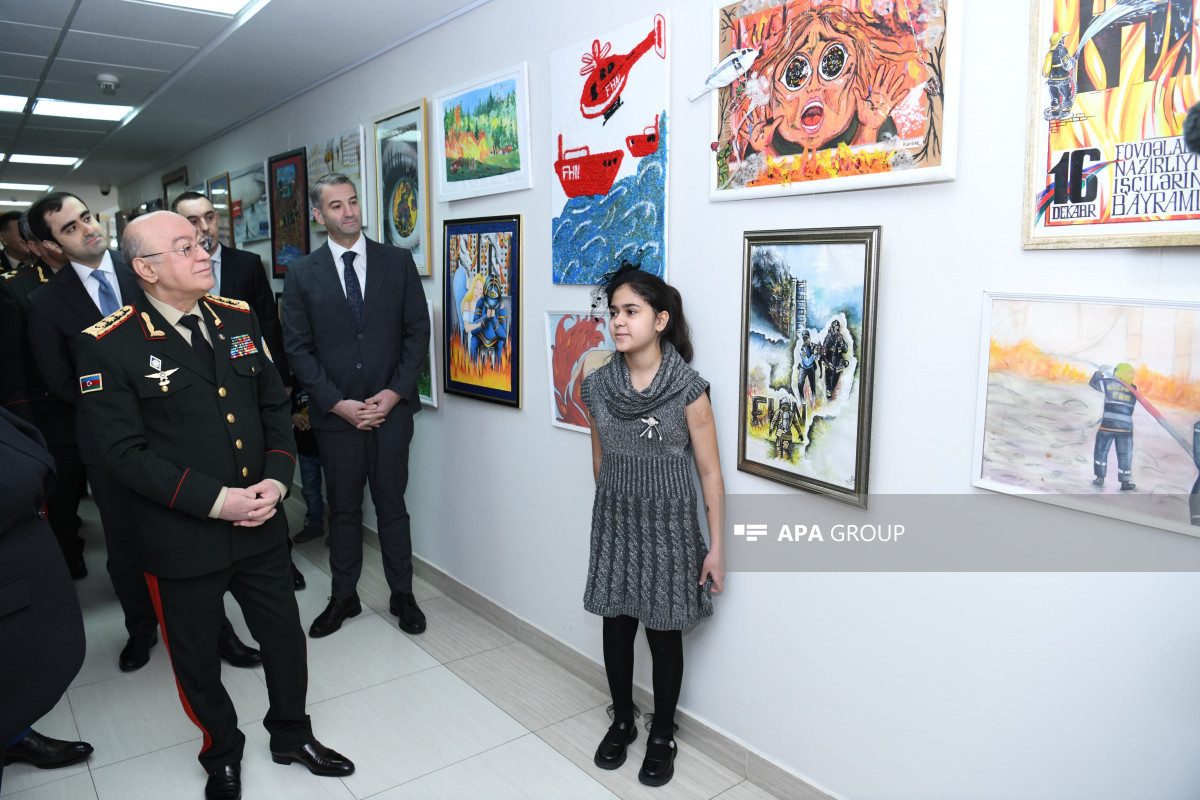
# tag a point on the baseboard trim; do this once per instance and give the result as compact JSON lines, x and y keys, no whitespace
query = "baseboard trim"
{"x":718,"y":746}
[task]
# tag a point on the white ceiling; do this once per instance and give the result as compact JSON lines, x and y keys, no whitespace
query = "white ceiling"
{"x":189,"y":75}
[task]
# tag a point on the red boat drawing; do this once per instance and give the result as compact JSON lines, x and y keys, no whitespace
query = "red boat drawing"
{"x":589,"y":173}
{"x":644,"y":143}
{"x":609,"y":73}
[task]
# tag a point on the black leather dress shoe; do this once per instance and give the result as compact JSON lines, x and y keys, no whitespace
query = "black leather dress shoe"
{"x":404,"y":607}
{"x":612,"y":750}
{"x":334,"y":615}
{"x":659,"y":765}
{"x":46,"y":753}
{"x":319,"y":759}
{"x":237,"y":652}
{"x":224,"y":783}
{"x":297,"y":578}
{"x":137,"y":652}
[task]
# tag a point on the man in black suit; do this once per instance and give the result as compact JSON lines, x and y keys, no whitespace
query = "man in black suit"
{"x":58,"y":312}
{"x":237,"y":273}
{"x":356,"y":329}
{"x":94,"y":283}
{"x":193,"y":418}
{"x":41,"y":628}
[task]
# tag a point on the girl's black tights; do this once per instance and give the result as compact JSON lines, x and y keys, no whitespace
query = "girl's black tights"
{"x":666,"y":650}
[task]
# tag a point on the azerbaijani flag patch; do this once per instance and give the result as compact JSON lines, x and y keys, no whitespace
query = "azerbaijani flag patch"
{"x":90,"y":383}
{"x":242,"y":345}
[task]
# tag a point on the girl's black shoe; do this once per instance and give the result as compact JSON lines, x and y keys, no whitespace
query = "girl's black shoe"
{"x":659,"y":766}
{"x":612,"y":750}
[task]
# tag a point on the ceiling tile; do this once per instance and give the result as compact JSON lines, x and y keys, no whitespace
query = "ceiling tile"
{"x":51,"y":13}
{"x":152,"y":22}
{"x":21,"y":87}
{"x":13,"y":65}
{"x":102,"y":48}
{"x":87,"y":91}
{"x":33,"y":40}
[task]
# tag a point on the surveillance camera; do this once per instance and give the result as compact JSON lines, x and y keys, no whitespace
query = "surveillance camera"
{"x":108,"y":82}
{"x":105,"y":189}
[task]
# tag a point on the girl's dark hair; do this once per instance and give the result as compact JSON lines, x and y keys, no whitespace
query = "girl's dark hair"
{"x":660,"y":295}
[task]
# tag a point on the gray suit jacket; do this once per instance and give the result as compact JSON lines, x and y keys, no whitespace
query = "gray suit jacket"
{"x":333,"y":358}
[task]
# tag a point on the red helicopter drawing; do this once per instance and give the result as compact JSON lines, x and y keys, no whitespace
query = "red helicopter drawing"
{"x":609,"y":73}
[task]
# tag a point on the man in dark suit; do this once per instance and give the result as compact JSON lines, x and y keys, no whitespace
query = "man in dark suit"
{"x":59,"y":311}
{"x":239,"y":275}
{"x":94,"y":283}
{"x":41,"y":628}
{"x":356,"y":329}
{"x":191,"y":416}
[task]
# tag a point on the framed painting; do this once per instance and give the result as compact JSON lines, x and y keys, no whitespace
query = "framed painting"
{"x":340,"y":152}
{"x":402,"y":182}
{"x":577,"y":342}
{"x":1105,"y":161}
{"x":808,"y":358}
{"x":218,"y":193}
{"x":831,"y":95}
{"x":608,"y":115}
{"x":249,"y":207}
{"x":287,"y":175}
{"x":427,"y":380}
{"x":1092,"y":404}
{"x":481,"y":136}
{"x":174,"y":183}
{"x":481,"y":309}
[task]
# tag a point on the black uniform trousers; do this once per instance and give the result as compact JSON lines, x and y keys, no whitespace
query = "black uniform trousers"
{"x":115,"y":503}
{"x":62,"y":504}
{"x":351,"y":459}
{"x":191,"y":611}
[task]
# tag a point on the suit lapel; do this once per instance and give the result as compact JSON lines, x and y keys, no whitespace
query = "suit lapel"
{"x":327,"y":277}
{"x":77,"y":298}
{"x":378,"y":276}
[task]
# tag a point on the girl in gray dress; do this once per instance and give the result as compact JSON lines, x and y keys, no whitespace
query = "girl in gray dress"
{"x":650,"y":419}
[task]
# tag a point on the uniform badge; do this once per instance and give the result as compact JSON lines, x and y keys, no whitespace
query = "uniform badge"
{"x":90,"y":383}
{"x":163,"y":376}
{"x":242,"y":345}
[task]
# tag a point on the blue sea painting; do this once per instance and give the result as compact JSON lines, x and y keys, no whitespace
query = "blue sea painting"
{"x":595,"y":233}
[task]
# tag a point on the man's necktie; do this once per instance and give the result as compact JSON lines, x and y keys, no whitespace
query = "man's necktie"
{"x":108,"y":298}
{"x":199,"y":343}
{"x":353,"y":290}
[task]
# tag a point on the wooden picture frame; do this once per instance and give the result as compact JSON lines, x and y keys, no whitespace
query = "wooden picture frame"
{"x":402,"y":181}
{"x":808,"y":358}
{"x":220,"y":197}
{"x":494,"y":110}
{"x":1105,"y":160}
{"x":287,"y":182}
{"x":481,"y":318}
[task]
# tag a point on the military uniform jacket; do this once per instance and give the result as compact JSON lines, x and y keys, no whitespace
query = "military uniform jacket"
{"x":175,"y":435}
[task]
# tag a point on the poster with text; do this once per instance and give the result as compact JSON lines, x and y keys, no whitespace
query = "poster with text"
{"x":1109,"y":86}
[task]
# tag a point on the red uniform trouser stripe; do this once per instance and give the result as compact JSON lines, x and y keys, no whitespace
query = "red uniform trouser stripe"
{"x":152,"y":582}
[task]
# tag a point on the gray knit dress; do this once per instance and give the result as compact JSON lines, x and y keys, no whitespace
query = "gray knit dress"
{"x":647,"y":549}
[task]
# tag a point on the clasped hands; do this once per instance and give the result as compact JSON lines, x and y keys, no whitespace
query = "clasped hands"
{"x":369,"y":413}
{"x":251,"y":506}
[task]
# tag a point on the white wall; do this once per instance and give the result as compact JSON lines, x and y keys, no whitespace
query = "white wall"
{"x":872,"y":686}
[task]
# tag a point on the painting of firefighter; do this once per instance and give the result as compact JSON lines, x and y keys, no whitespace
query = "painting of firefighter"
{"x":481,"y":311}
{"x":808,"y":349}
{"x":1092,"y":404}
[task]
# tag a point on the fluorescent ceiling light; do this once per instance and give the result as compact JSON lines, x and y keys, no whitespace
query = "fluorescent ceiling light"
{"x":20,"y":158}
{"x":21,"y":203}
{"x":216,"y":6}
{"x":12,"y":103}
{"x":64,"y":108}
{"x":26,"y":187}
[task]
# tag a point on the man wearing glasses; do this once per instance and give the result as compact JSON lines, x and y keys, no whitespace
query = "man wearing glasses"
{"x":190,"y":414}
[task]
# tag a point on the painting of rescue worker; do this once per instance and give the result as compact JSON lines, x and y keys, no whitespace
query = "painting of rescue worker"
{"x":1110,"y":85}
{"x":808,"y":350}
{"x":1093,"y":404}
{"x":833,"y":95}
{"x":481,"y":312}
{"x":577,"y":343}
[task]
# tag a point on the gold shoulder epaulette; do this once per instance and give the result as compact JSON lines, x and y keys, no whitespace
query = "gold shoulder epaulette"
{"x":110,"y":322}
{"x":228,"y":302}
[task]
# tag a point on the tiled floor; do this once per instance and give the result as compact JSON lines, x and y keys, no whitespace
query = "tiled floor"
{"x":462,"y":711}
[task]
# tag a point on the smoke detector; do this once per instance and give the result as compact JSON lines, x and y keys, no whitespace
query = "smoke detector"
{"x":108,"y":82}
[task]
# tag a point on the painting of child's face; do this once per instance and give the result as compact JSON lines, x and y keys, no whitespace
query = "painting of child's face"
{"x":813,"y":87}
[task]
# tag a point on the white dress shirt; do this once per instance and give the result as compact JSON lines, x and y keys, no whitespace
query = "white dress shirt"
{"x":359,"y":248}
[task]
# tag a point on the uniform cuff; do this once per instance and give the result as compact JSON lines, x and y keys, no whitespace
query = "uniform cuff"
{"x":215,"y":511}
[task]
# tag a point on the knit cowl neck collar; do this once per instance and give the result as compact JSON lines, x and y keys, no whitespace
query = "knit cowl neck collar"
{"x":672,"y":378}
